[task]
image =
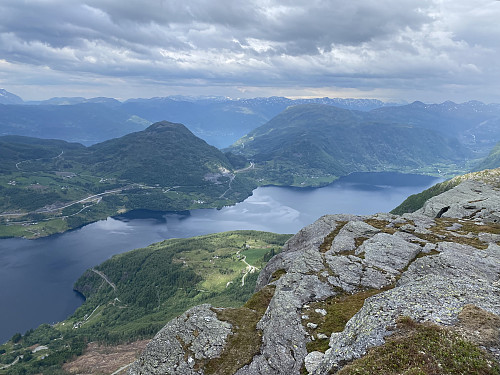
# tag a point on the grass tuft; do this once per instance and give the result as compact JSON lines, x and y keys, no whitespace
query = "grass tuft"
{"x":340,"y":309}
{"x":277,"y":274}
{"x":245,"y":341}
{"x":423,"y":349}
{"x":327,"y":242}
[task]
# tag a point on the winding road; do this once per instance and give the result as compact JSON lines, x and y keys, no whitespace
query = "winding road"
{"x":251,"y":166}
{"x":24,"y":161}
{"x":248,"y":269}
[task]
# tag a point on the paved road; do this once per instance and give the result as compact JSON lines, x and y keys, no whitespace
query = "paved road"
{"x":249,"y":269}
{"x":104,"y":277}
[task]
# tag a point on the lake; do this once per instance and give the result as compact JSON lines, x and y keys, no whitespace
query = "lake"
{"x":36,"y":276}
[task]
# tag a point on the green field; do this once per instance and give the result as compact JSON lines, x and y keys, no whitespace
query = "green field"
{"x":150,"y":286}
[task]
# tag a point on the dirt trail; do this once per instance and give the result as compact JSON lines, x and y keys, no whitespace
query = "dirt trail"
{"x":24,"y":161}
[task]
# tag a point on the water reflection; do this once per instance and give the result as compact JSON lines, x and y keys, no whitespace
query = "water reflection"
{"x":37,"y":275}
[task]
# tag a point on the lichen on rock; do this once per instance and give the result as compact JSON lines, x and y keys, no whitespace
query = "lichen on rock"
{"x":381,"y":267}
{"x":196,"y":335}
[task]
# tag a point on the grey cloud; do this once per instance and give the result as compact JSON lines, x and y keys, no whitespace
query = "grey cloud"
{"x":316,"y":22}
{"x":258,"y":42}
{"x":325,"y":23}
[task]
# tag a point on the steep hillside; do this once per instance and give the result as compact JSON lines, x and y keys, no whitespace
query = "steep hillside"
{"x":314,"y":144}
{"x":492,"y":160}
{"x":380,"y":294}
{"x":63,"y":186}
{"x":474,"y":124}
{"x":165,"y":153}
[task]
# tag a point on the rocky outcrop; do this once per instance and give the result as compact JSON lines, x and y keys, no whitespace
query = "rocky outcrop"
{"x":311,"y":236}
{"x":194,"y":336}
{"x":471,"y":199}
{"x":437,"y":296}
{"x":428,"y":265}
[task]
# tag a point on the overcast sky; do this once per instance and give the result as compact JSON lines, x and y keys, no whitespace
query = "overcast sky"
{"x":429,"y":50}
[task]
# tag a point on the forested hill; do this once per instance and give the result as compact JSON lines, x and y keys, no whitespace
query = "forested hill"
{"x":55,"y":185}
{"x":14,"y":149}
{"x":132,"y":295}
{"x":165,"y":153}
{"x":314,"y":144}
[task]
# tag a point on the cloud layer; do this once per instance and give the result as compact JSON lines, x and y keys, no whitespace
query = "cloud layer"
{"x":402,"y":49}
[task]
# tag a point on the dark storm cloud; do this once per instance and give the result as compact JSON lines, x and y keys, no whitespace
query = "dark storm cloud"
{"x":353,"y":44}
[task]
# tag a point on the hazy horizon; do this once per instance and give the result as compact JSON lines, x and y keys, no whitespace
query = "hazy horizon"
{"x":201,"y":97}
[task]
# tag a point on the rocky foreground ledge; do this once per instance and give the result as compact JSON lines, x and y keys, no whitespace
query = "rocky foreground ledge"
{"x":343,"y":284}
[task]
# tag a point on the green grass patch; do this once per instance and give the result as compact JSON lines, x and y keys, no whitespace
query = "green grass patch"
{"x":439,"y":232}
{"x":339,"y":310}
{"x":255,"y":256}
{"x":423,"y":349}
{"x":245,"y":341}
{"x":277,"y":274}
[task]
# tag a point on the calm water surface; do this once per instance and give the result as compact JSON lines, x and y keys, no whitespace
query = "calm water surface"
{"x":36,"y":276}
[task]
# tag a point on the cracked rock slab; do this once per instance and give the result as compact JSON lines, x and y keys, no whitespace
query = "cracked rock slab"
{"x":195,"y":335}
{"x":388,"y":252}
{"x":345,"y":240}
{"x":472,"y":199}
{"x":432,"y":298}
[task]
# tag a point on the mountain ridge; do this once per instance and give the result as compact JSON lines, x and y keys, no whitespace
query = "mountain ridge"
{"x":221,"y":121}
{"x":492,"y":160}
{"x":312,"y":144}
{"x":86,"y":123}
{"x":9,"y":98}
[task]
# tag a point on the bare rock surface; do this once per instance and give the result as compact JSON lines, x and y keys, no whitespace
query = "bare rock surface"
{"x":388,"y":252}
{"x":472,"y":199}
{"x":195,"y":335}
{"x":413,"y":265}
{"x":346,"y":239}
{"x":309,"y":237}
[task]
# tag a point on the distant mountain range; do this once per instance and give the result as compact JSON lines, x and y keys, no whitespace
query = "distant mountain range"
{"x":9,"y":98}
{"x":222,"y":121}
{"x":313,"y":144}
{"x":218,"y":120}
{"x":85,"y":123}
{"x":306,"y":142}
